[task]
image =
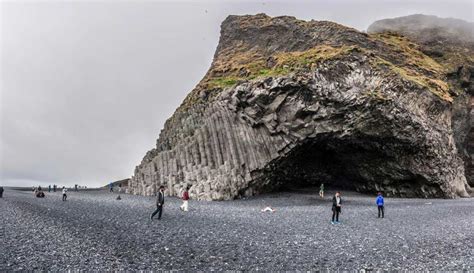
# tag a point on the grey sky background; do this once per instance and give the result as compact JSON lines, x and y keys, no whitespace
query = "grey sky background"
{"x":85,"y":87}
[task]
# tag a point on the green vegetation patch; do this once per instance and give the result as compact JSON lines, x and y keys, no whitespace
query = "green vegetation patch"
{"x":244,"y":67}
{"x":413,"y":65}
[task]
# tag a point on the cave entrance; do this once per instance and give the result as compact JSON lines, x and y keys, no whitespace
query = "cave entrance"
{"x":360,"y":163}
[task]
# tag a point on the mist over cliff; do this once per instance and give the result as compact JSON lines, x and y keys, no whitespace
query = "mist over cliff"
{"x":425,"y":28}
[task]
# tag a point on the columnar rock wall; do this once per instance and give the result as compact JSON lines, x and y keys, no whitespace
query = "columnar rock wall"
{"x":215,"y":159}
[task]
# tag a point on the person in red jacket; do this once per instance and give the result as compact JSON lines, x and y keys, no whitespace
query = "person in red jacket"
{"x":185,"y":197}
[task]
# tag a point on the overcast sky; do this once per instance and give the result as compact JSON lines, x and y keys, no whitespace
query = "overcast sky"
{"x":87,"y":86}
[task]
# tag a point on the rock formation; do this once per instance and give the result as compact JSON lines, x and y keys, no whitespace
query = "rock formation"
{"x":450,"y":42}
{"x":291,"y":103}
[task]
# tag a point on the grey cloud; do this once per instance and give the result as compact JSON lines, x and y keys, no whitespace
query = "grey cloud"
{"x":86,"y":86}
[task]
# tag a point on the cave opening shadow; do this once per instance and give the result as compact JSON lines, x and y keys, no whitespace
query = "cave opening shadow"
{"x":350,"y":163}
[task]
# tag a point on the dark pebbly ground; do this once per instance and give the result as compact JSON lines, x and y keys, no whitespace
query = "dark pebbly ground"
{"x":93,"y":231}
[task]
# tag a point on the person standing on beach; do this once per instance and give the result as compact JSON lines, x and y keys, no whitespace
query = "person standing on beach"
{"x":160,"y":201}
{"x":380,"y":204}
{"x":1,"y":192}
{"x":321,"y":190}
{"x":336,"y":207}
{"x":54,"y":187}
{"x":49,"y":188}
{"x":185,"y":197}
{"x":64,"y":194}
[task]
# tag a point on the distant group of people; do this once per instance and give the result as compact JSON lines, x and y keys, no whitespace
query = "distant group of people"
{"x":54,"y":188}
{"x":160,"y":201}
{"x":336,"y":204}
{"x":38,"y":191}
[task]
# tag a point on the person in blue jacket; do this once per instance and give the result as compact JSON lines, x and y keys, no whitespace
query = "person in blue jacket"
{"x":380,"y":202}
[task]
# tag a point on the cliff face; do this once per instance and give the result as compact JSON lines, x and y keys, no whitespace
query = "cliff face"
{"x":450,"y":42}
{"x":288,"y":102}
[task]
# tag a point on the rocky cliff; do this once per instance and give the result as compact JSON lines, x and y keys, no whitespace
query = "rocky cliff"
{"x":450,"y":42}
{"x":289,"y":103}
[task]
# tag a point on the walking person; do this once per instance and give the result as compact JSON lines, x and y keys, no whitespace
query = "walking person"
{"x":1,"y":192}
{"x":336,"y":207}
{"x":380,"y":204}
{"x":160,"y":201}
{"x":185,"y":197}
{"x":64,"y":194}
{"x":321,"y":190}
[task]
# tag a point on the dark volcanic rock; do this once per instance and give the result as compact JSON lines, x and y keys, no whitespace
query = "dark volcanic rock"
{"x":289,"y":103}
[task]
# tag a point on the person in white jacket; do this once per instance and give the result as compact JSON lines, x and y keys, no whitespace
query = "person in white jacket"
{"x":64,"y":193}
{"x":185,"y":197}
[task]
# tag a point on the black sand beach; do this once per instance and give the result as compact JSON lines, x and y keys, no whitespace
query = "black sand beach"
{"x":93,"y":231}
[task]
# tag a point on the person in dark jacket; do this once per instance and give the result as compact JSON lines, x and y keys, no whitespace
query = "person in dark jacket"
{"x":380,"y":203}
{"x":160,"y":201}
{"x":1,"y":192}
{"x":336,"y":207}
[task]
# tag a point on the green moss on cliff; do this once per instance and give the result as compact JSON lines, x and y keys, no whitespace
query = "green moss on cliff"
{"x":309,"y":58}
{"x":413,"y":65}
{"x":222,"y":82}
{"x":436,"y":86}
{"x":387,"y":50}
{"x":243,"y":67}
{"x":410,"y":54}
